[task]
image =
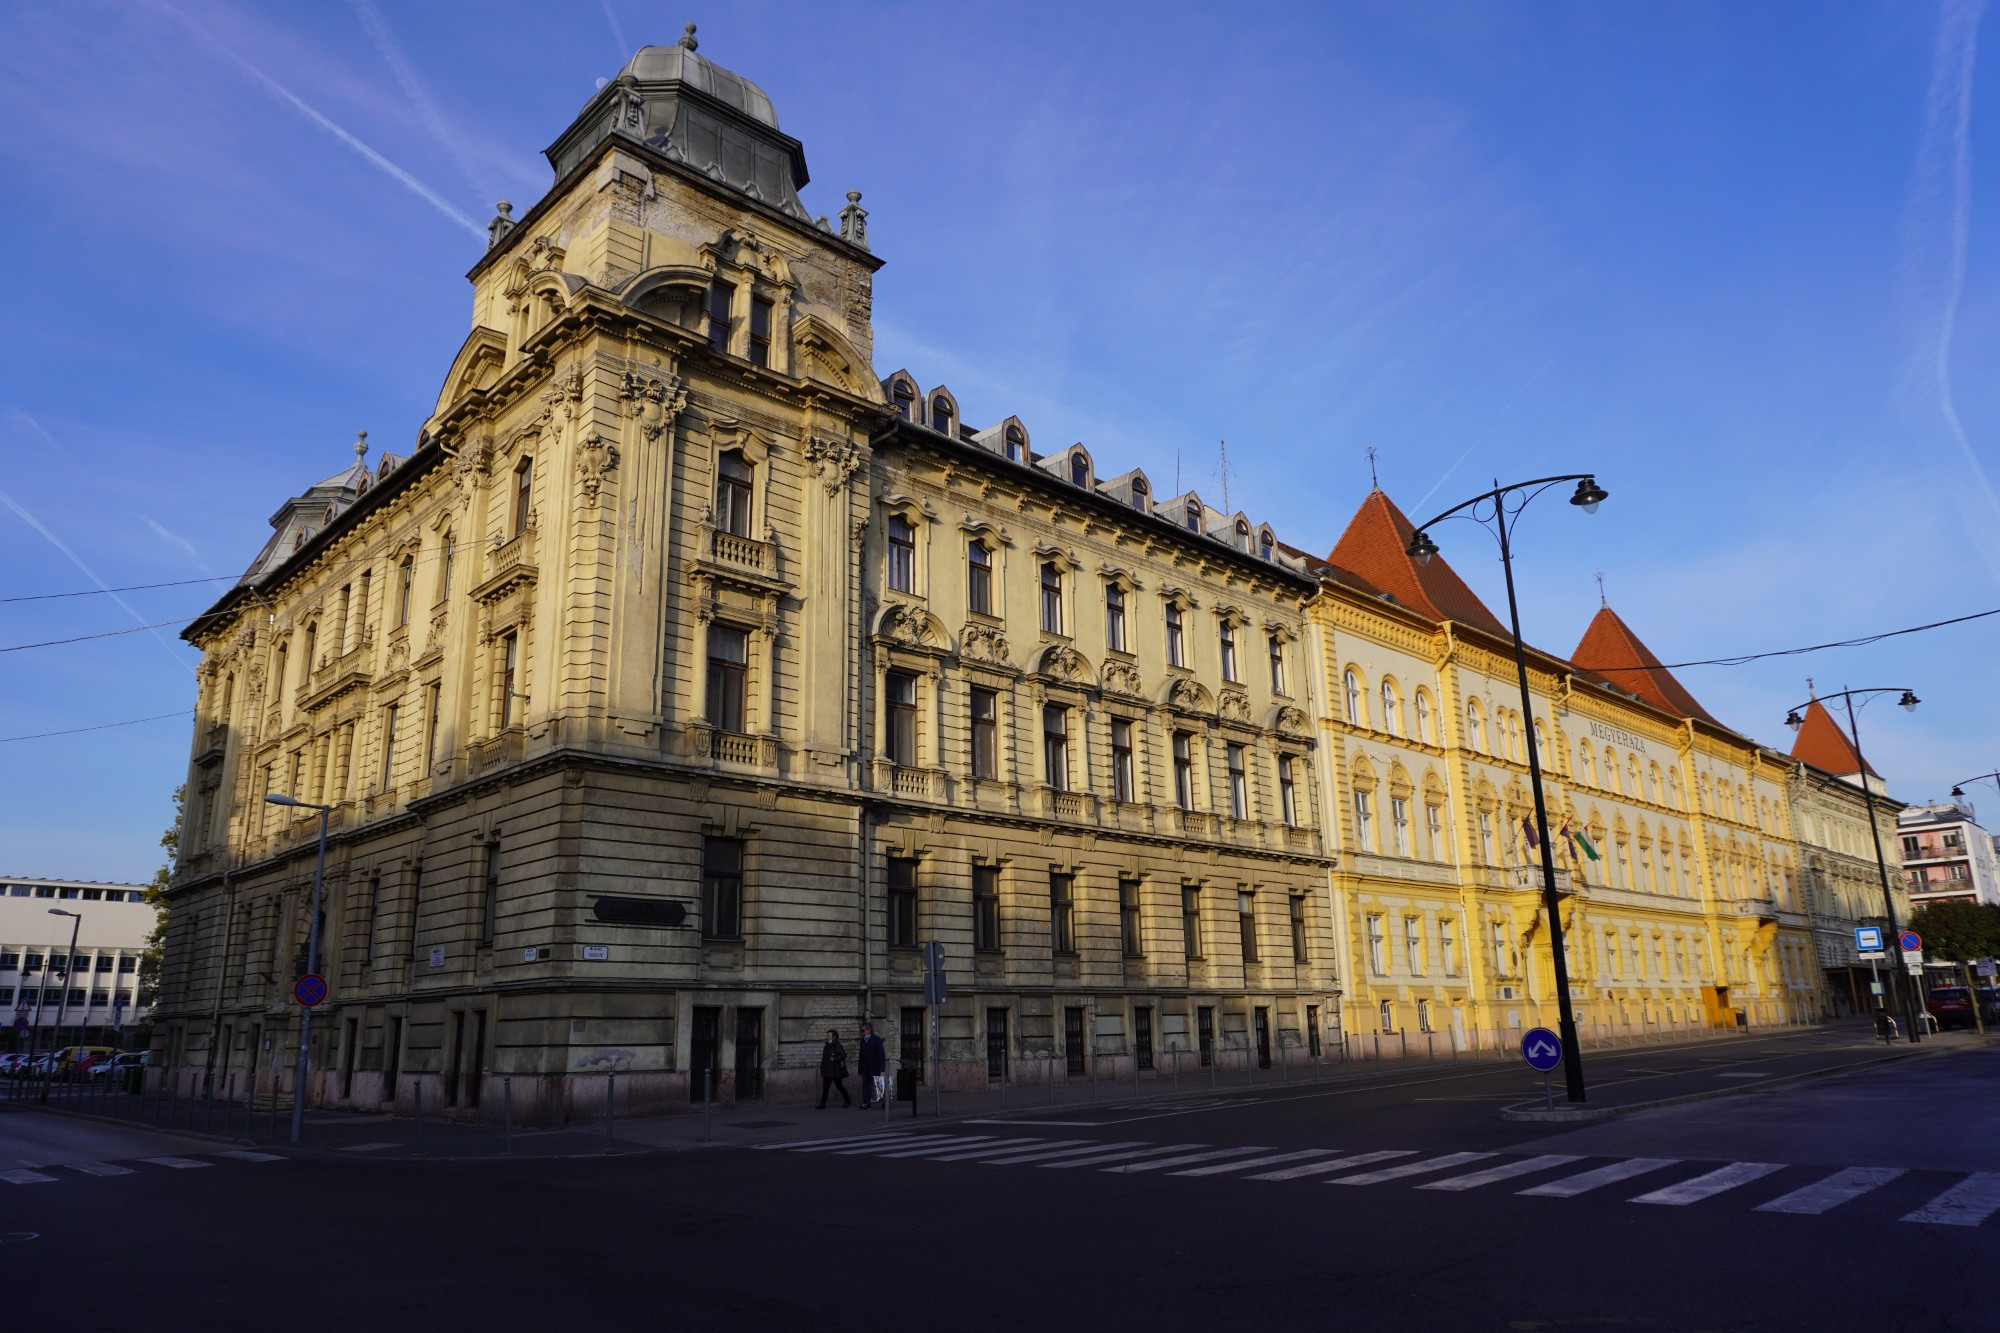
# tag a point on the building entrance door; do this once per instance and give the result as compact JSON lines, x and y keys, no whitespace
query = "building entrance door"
{"x":1261,"y":1019}
{"x":1073,"y":1048}
{"x":703,"y":1056}
{"x":749,"y":1054}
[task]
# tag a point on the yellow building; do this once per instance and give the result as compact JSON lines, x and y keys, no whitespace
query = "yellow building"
{"x":1677,"y":870}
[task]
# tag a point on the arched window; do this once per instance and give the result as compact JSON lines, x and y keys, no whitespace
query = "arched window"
{"x":405,"y":575}
{"x":732,"y":495}
{"x":941,"y":414}
{"x":1194,"y":515}
{"x":1052,"y":608}
{"x":444,"y":566}
{"x":1139,"y":494}
{"x":1242,"y":535}
{"x":1079,"y":470}
{"x":1514,"y":737}
{"x":1389,"y":709}
{"x":1353,"y":687}
{"x":902,"y":554}
{"x":1610,"y":769}
{"x":1632,"y":787}
{"x":1423,"y":706}
{"x":1674,"y":788}
{"x":1475,"y":727}
{"x":979,"y":578}
{"x":1266,"y":546}
{"x":905,"y":398}
{"x":1017,"y":445}
{"x":524,"y":489}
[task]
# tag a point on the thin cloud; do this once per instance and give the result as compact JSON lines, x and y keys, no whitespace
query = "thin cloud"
{"x":37,"y":428}
{"x":91,"y":574}
{"x":284,"y":94}
{"x":617,"y":32}
{"x":175,"y":539}
{"x":420,"y":97}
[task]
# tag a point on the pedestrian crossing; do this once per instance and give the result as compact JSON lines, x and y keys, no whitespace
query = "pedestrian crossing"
{"x":47,"y":1174}
{"x":1966,"y":1200}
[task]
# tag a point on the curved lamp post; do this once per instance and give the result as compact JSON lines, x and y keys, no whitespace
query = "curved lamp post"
{"x":1908,"y":703}
{"x":312,"y":963}
{"x":1498,"y":510}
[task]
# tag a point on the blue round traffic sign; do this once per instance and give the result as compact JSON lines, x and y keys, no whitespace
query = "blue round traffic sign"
{"x":1910,"y":941}
{"x":1542,"y":1049}
{"x":21,"y":1023}
{"x":309,"y":990}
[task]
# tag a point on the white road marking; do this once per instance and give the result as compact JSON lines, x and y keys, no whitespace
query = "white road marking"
{"x":1097,"y":1158}
{"x":1833,"y":1191}
{"x":877,"y":1140}
{"x":1424,"y":1167}
{"x":24,"y":1177}
{"x":177,"y":1163}
{"x":368,"y":1147}
{"x":1604,"y":1175}
{"x":1709,"y":1185}
{"x":1965,"y":1204}
{"x":1339,"y":1164}
{"x":1032,"y":1148}
{"x":1258,"y":1161}
{"x":938,"y":1147}
{"x":1048,"y":1151}
{"x":1507,"y":1171}
{"x":843,"y":1141}
{"x":857,"y":1149}
{"x":1159,"y":1163}
{"x":99,"y":1168}
{"x":239,"y":1155}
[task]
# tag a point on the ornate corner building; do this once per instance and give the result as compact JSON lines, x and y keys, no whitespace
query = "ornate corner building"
{"x":686,"y":677}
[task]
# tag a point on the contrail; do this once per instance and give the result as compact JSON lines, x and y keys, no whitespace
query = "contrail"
{"x":91,"y":574}
{"x":617,"y":32}
{"x":1941,"y":202}
{"x":1476,"y":443}
{"x":413,"y":88}
{"x":415,"y":186}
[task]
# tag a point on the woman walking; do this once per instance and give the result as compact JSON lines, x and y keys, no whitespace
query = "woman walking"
{"x":833,"y":1069}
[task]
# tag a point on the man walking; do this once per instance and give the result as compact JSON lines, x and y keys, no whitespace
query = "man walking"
{"x":874,"y":1067}
{"x":833,"y":1069}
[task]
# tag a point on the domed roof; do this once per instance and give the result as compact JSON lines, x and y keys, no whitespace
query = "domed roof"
{"x":680,"y":63}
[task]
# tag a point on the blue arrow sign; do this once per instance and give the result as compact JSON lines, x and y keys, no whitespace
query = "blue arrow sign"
{"x":1542,"y":1049}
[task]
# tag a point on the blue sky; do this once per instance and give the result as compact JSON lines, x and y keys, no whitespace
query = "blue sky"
{"x":1739,"y":260}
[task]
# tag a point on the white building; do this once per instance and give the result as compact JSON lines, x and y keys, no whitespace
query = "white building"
{"x":1947,"y":856}
{"x":111,"y":923}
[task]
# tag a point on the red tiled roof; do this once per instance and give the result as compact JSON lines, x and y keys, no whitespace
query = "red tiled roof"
{"x":1824,"y":745}
{"x":1373,"y":552}
{"x":1612,"y":651}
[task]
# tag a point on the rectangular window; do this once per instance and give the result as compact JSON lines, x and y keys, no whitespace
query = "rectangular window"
{"x":1246,"y":925}
{"x":1277,"y":665}
{"x":728,"y":663}
{"x":1239,"y":787}
{"x":985,"y":734}
{"x":996,"y":1043}
{"x":721,"y":888}
{"x":986,"y":908}
{"x":760,"y":331}
{"x":1176,"y":641}
{"x":900,"y":719}
{"x":1114,"y":618}
{"x":1486,"y":836}
{"x":720,"y":296}
{"x":1399,"y":824}
{"x":1434,"y":829}
{"x":1055,"y":746}
{"x":524,"y":495}
{"x":1190,"y":921}
{"x":1364,"y":821}
{"x":1142,"y":1035}
{"x":435,"y":709}
{"x":510,"y":646}
{"x":1499,"y":943}
{"x":979,"y":578}
{"x":1288,"y":801}
{"x":1129,"y":919}
{"x":1297,"y":904}
{"x":405,"y":576}
{"x":1448,"y":946}
{"x":1184,"y":770}
{"x":902,"y":571}
{"x":1204,"y":1033}
{"x":1228,"y":648}
{"x":389,"y":744}
{"x":1075,"y":1047}
{"x":489,"y":900}
{"x":1123,"y":786}
{"x":902,"y":921}
{"x":1062,"y":913}
{"x":732,"y":494}
{"x":1912,"y":849}
{"x":1413,"y":945}
{"x":1052,"y":609}
{"x":1378,"y":962}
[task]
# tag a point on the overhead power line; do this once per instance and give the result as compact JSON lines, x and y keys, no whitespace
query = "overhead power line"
{"x":104,"y":726}
{"x":130,"y":587}
{"x":1810,"y":648}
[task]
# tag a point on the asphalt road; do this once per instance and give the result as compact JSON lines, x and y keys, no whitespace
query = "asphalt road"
{"x":1871,"y":1200}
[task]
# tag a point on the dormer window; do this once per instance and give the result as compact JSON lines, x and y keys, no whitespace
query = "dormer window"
{"x":1266,"y":546}
{"x":1242,"y":535}
{"x":1079,"y":470}
{"x":905,"y":397}
{"x":1139,"y":494}
{"x":941,"y":414}
{"x":1017,"y":445}
{"x":1194,"y":515}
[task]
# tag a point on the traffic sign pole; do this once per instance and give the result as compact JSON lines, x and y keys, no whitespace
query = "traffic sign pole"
{"x":312,"y":970}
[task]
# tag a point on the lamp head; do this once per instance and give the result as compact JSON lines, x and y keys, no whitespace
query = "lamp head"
{"x":1957,"y":792}
{"x":1908,"y":703}
{"x":57,"y":911}
{"x":276,"y":799}
{"x":1421,"y":547}
{"x":1589,"y":495}
{"x":1793,"y":720}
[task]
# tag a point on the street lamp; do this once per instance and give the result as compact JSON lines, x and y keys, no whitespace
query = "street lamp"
{"x":62,"y":1002}
{"x":312,"y":963}
{"x":1499,"y":509}
{"x":1908,"y":702}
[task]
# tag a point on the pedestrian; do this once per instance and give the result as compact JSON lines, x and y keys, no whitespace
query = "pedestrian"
{"x":874,"y":1066}
{"x":833,"y":1069}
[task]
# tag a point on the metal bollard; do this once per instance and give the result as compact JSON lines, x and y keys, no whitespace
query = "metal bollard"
{"x":417,"y":1137}
{"x":507,"y":1102}
{"x":707,"y":1099}
{"x":1430,"y":1046}
{"x":1052,"y":1078}
{"x":610,"y":1096}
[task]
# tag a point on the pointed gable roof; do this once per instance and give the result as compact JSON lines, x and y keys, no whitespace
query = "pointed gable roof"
{"x":1824,"y":745}
{"x":1374,"y":552}
{"x":1611,"y":651}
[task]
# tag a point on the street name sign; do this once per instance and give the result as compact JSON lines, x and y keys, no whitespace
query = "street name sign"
{"x":1542,"y":1049}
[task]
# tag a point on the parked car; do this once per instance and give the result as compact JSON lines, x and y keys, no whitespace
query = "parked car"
{"x":1951,"y":1006}
{"x":73,"y":1062}
{"x":11,"y":1062}
{"x":118,"y":1066}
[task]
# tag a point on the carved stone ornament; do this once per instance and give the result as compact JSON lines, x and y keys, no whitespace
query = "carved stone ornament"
{"x":1293,"y":722}
{"x":1187,"y":696}
{"x":1063,"y":663}
{"x":472,"y":462}
{"x":909,"y":625}
{"x":833,"y":460}
{"x":1123,"y":678}
{"x":1235,"y":705}
{"x":596,"y":459}
{"x":654,"y":402}
{"x":983,"y":643}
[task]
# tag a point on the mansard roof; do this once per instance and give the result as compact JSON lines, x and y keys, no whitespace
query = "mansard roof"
{"x":1825,"y":746}
{"x":1374,"y":553}
{"x":1612,"y":652}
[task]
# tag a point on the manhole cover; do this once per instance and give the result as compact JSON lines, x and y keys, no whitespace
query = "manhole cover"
{"x":765,"y":1124}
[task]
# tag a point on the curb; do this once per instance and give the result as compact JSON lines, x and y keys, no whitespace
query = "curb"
{"x":1523,"y":1112}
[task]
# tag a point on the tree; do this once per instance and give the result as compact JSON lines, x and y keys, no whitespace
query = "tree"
{"x":156,"y":896}
{"x":1958,"y":931}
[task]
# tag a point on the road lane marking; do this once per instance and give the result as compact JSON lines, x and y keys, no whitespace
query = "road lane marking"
{"x":1013,"y":1147}
{"x":177,"y":1163}
{"x":1339,"y":1164}
{"x":1209,"y":1156}
{"x":1258,"y":1161}
{"x":1095,"y":1157}
{"x":1054,"y":1149}
{"x":855,"y":1149}
{"x":968,"y":1140}
{"x":1507,"y":1171}
{"x":24,"y":1177}
{"x":99,"y":1168}
{"x":1604,"y":1175}
{"x":1709,"y":1185}
{"x":1424,"y":1167}
{"x":1835,"y":1190}
{"x":241,"y":1155}
{"x":879,"y":1140}
{"x":1966,"y":1204}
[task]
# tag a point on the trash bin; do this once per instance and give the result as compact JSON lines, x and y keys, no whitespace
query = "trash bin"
{"x":906,"y":1083}
{"x":1742,"y":1020}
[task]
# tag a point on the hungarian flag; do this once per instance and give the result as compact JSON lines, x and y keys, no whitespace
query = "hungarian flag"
{"x":1578,"y":839}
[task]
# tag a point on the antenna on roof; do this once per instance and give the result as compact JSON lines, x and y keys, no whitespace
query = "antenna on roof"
{"x":1811,"y":693}
{"x":1222,"y":452}
{"x":1372,"y":480}
{"x":1600,"y":589}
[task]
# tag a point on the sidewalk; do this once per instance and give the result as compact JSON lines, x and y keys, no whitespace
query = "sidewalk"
{"x":1846,"y":1046}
